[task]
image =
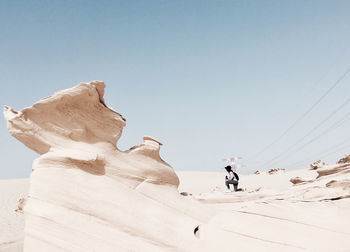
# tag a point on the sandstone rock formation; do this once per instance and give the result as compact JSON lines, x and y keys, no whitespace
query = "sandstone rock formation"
{"x":344,"y":160}
{"x":298,"y":180}
{"x":274,"y":171}
{"x":86,"y":194}
{"x":316,"y":165}
{"x":331,"y":183}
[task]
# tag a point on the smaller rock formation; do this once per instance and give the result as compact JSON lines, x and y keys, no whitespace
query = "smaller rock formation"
{"x":336,"y":183}
{"x":344,"y":160}
{"x":332,"y":183}
{"x":298,"y":180}
{"x":273,"y":171}
{"x":21,"y":203}
{"x":316,"y":165}
{"x":186,"y":194}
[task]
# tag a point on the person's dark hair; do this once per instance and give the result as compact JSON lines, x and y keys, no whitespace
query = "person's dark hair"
{"x":228,"y":168}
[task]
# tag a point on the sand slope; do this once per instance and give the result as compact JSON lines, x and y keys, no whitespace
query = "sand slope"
{"x":273,"y":214}
{"x":265,"y":219}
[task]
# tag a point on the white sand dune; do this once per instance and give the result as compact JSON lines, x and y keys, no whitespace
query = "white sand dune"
{"x":86,"y":195}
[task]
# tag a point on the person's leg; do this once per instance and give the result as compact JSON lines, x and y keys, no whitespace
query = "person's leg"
{"x":227,"y":184}
{"x":235,"y":185}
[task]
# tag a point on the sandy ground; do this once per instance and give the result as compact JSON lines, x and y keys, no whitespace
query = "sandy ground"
{"x":268,"y":215}
{"x":272,"y":214}
{"x":12,"y":221}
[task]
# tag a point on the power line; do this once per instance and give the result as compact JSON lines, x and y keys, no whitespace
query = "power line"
{"x":333,"y":127}
{"x":324,"y":153}
{"x":337,"y":124}
{"x":330,"y":153}
{"x":323,"y":121}
{"x":305,"y":113}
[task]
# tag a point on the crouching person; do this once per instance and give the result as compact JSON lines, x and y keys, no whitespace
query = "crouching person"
{"x":231,"y":179}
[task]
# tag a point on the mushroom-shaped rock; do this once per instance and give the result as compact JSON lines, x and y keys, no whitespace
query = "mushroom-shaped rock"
{"x":86,"y":194}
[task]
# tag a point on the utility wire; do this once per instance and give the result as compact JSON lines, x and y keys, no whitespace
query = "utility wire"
{"x":324,"y":153}
{"x":305,"y":113}
{"x":333,"y":127}
{"x":337,"y":124}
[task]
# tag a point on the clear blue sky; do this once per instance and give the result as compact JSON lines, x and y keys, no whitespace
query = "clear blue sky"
{"x":209,"y":79}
